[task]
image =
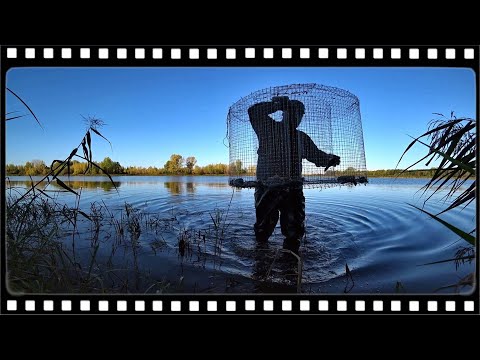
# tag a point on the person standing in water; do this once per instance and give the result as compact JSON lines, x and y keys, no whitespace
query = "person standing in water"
{"x":279,"y":189}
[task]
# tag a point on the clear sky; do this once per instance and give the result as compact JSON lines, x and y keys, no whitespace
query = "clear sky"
{"x":152,"y":113}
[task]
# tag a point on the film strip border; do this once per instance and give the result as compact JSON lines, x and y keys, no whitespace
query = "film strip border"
{"x":410,"y":56}
{"x":241,"y":55}
{"x":132,"y":304}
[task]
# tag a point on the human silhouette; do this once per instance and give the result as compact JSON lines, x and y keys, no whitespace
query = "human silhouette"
{"x":279,"y":187}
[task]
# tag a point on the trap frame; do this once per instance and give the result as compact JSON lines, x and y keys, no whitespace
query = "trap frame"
{"x":293,"y":134}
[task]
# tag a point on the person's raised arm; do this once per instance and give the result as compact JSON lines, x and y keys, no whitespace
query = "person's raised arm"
{"x":259,"y":113}
{"x":312,"y":153}
{"x":295,"y":107}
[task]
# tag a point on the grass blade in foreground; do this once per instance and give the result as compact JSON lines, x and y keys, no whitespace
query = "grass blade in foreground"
{"x":28,"y":107}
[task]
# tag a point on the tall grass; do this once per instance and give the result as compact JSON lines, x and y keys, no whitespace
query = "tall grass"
{"x":452,"y":142}
{"x":38,"y":258}
{"x":220,"y":225}
{"x":57,"y":166}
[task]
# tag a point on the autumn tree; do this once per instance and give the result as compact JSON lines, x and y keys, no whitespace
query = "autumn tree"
{"x":110,"y":166}
{"x":190,"y":163}
{"x":198,"y":170}
{"x":251,"y":169}
{"x":236,"y":167}
{"x":35,"y":167}
{"x":12,"y":169}
{"x":175,"y":164}
{"x":78,"y":168}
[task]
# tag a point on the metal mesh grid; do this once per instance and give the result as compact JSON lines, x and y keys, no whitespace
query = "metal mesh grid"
{"x":301,"y":133}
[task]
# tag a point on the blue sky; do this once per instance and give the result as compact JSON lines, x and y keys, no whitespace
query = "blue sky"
{"x":151,"y":113}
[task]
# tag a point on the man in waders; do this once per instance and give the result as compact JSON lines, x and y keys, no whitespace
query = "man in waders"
{"x":279,"y":189}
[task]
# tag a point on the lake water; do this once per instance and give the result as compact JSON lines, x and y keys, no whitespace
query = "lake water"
{"x":371,"y":229}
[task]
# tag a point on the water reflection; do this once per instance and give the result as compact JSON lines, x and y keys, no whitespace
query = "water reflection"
{"x":75,"y":184}
{"x":217,"y":185}
{"x":173,"y":187}
{"x":177,"y":188}
{"x":190,"y":187}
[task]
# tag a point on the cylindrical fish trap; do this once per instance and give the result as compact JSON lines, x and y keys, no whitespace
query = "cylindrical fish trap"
{"x":305,"y":134}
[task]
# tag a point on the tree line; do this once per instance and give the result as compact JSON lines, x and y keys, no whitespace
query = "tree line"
{"x":178,"y":165}
{"x":418,"y":173}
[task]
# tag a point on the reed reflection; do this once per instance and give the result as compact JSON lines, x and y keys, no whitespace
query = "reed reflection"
{"x":175,"y":187}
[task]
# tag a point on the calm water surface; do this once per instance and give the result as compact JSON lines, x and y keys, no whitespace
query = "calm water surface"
{"x":372,"y":229}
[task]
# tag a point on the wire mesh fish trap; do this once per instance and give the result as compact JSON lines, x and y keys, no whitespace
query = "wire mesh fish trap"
{"x":307,"y":134}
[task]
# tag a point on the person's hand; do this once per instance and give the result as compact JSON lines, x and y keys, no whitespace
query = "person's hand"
{"x":334,"y":161}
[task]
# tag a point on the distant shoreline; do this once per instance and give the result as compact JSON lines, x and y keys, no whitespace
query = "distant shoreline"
{"x":403,"y":176}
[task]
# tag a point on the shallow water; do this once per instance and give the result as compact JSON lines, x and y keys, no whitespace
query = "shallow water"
{"x":371,"y":229}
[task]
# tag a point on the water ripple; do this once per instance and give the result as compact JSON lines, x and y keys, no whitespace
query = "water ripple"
{"x":371,"y":229}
